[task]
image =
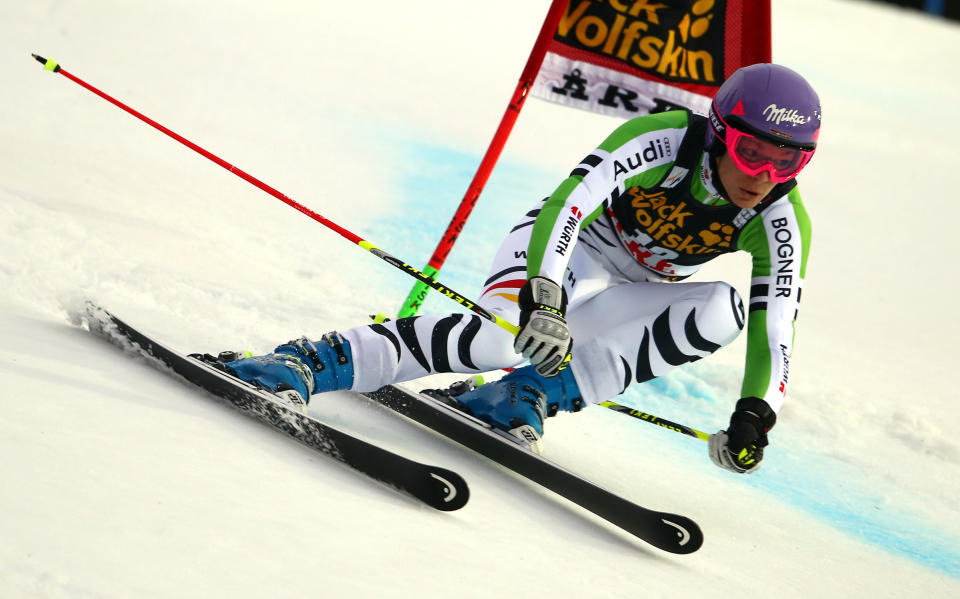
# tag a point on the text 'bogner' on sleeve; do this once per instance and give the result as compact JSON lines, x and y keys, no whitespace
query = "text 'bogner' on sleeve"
{"x":637,"y":154}
{"x":779,"y":241}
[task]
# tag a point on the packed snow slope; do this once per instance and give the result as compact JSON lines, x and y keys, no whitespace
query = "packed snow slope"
{"x":119,"y":481}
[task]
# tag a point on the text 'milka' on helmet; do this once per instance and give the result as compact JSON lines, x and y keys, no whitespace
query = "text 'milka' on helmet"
{"x":768,"y":119}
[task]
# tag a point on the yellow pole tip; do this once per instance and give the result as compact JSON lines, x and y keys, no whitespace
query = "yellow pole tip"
{"x":48,"y":65}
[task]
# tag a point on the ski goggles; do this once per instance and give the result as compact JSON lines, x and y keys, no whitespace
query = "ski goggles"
{"x":754,"y":155}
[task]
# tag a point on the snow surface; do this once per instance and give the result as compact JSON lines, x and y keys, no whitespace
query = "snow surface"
{"x":118,"y":481}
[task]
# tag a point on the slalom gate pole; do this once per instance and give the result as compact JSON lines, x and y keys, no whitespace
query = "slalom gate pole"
{"x":419,"y":292}
{"x":686,"y":430}
{"x":50,"y":65}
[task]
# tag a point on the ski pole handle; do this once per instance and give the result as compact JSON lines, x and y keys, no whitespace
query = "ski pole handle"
{"x":50,"y":65}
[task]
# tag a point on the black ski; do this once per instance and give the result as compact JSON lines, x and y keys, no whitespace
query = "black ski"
{"x":437,"y":487}
{"x":670,"y":532}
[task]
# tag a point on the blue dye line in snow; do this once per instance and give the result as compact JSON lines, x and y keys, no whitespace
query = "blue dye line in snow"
{"x":432,"y":186}
{"x":433,"y":183}
{"x":825,"y":493}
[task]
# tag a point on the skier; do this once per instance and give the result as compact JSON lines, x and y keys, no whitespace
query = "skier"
{"x":599,"y":261}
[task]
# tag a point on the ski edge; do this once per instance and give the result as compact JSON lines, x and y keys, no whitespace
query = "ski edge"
{"x":437,"y":487}
{"x":666,"y":531}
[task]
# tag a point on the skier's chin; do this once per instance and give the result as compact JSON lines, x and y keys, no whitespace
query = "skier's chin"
{"x":745,"y":198}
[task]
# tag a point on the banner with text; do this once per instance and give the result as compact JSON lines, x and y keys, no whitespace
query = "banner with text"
{"x":628,"y":58}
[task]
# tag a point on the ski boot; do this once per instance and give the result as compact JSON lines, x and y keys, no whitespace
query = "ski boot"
{"x":519,"y":402}
{"x":294,"y":371}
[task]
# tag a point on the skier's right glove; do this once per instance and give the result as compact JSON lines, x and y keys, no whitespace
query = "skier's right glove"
{"x":544,"y":337}
{"x":740,"y":448}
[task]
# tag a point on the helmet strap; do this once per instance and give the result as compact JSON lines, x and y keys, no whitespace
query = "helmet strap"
{"x":716,"y":151}
{"x":717,"y":148}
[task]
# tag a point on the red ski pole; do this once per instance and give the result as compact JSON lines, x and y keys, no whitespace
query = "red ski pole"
{"x":50,"y":65}
{"x":419,"y":292}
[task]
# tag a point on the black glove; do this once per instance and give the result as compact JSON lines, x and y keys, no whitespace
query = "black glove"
{"x":544,"y":337}
{"x":740,"y":448}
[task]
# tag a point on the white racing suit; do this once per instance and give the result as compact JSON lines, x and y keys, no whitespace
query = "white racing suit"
{"x":636,"y":216}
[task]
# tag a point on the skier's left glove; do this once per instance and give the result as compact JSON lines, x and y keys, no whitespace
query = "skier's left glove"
{"x":740,"y":448}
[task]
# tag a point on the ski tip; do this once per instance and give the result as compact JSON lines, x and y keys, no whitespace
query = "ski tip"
{"x":448,"y":490}
{"x":678,"y":534}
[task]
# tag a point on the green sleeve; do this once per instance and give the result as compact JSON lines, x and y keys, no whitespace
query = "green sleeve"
{"x":779,"y":241}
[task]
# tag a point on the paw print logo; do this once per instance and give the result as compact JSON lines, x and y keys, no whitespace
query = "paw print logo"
{"x":696,"y":23}
{"x":718,"y":234}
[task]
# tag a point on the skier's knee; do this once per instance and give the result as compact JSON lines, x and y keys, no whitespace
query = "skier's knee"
{"x":722,"y":316}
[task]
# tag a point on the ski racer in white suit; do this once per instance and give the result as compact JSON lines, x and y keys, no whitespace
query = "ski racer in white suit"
{"x":592,"y":275}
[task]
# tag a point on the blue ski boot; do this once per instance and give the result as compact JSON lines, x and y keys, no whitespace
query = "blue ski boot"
{"x":520,"y":401}
{"x":294,"y":370}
